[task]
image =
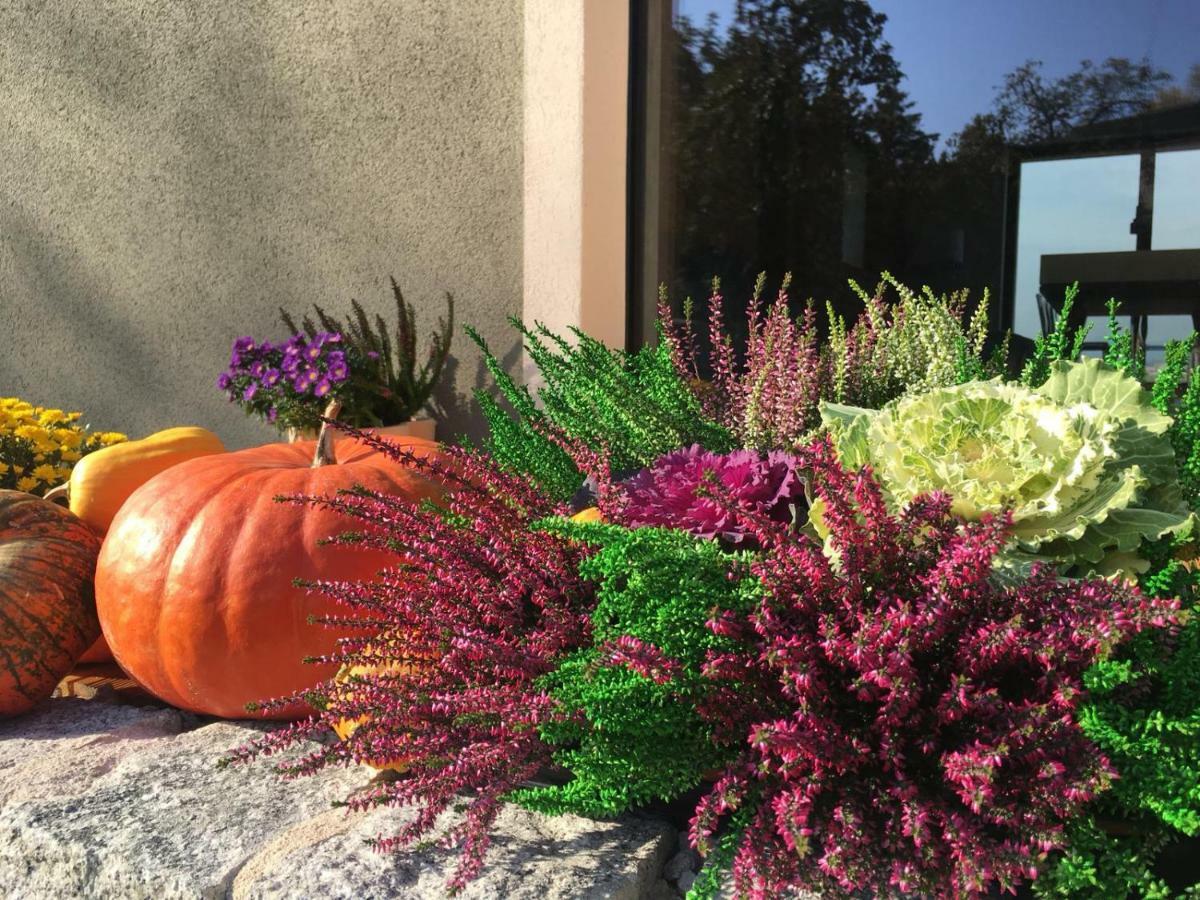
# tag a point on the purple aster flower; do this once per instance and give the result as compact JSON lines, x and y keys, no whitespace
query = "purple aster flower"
{"x":322,"y":388}
{"x":223,"y":381}
{"x":258,"y":368}
{"x":371,"y":354}
{"x":312,"y":351}
{"x":244,"y":344}
{"x":270,"y":377}
{"x":672,"y":492}
{"x":338,"y":373}
{"x":304,"y":379}
{"x":250,"y":391}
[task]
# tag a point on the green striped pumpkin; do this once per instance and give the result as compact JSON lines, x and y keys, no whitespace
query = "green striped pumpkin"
{"x":47,"y":603}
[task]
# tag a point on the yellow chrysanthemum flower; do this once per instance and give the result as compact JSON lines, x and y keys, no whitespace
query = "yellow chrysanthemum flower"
{"x":52,"y":437}
{"x":47,"y":473}
{"x":68,"y":437}
{"x":32,"y":433}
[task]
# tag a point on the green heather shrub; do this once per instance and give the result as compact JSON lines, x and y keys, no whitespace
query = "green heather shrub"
{"x":1119,"y":351}
{"x":1060,"y":345}
{"x":1083,"y":461}
{"x":632,"y":730}
{"x":1143,"y":712}
{"x":631,"y":407}
{"x":1176,"y":392}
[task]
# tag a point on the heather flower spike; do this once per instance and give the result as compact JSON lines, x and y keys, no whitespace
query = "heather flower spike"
{"x":910,"y":724}
{"x":477,"y":606}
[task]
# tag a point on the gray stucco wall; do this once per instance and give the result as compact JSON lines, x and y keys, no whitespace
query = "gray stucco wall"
{"x":172,"y":172}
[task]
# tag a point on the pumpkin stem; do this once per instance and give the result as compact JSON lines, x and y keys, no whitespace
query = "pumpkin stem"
{"x":324,"y":455}
{"x":62,"y":492}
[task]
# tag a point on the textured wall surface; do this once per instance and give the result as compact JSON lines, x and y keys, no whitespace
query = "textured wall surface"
{"x":170,"y":173}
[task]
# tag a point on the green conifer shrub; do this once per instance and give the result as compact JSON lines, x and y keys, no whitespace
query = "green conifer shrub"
{"x":632,"y":729}
{"x":632,"y":407}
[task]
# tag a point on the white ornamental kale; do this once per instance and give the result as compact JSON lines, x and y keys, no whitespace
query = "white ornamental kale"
{"x":1084,"y":462}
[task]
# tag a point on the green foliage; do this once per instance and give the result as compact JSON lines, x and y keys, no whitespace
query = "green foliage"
{"x":1059,"y":345}
{"x":1170,"y":380}
{"x":1172,"y":397}
{"x":1119,"y":351}
{"x":398,"y":389}
{"x":633,"y":407}
{"x":637,"y":735}
{"x":1101,"y":866}
{"x":719,"y":860}
{"x":1143,"y":711}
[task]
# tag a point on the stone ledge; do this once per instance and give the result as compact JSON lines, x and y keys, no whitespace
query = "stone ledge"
{"x":103,"y":800}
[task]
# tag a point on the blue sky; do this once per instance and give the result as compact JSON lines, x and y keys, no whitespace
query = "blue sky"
{"x":956,"y":52}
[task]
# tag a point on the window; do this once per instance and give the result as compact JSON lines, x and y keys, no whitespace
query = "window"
{"x":952,"y":144}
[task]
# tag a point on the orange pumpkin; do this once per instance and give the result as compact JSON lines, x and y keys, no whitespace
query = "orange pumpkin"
{"x":194,"y":583}
{"x":103,"y":480}
{"x":47,"y":610}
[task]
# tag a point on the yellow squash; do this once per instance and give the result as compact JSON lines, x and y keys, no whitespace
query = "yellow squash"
{"x":343,"y":728}
{"x":102,"y":481}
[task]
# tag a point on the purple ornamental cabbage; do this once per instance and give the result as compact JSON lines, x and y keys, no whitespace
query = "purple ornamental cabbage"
{"x":673,"y":492}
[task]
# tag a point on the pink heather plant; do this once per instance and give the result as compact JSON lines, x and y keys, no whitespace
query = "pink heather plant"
{"x":676,"y":492}
{"x":476,"y":607}
{"x":909,"y":725}
{"x":768,"y":396}
{"x":772,"y":398}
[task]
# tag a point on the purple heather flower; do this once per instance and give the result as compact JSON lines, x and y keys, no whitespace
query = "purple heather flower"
{"x":683,"y":490}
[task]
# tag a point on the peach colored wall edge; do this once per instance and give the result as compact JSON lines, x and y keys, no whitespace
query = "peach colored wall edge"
{"x":575,"y":95}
